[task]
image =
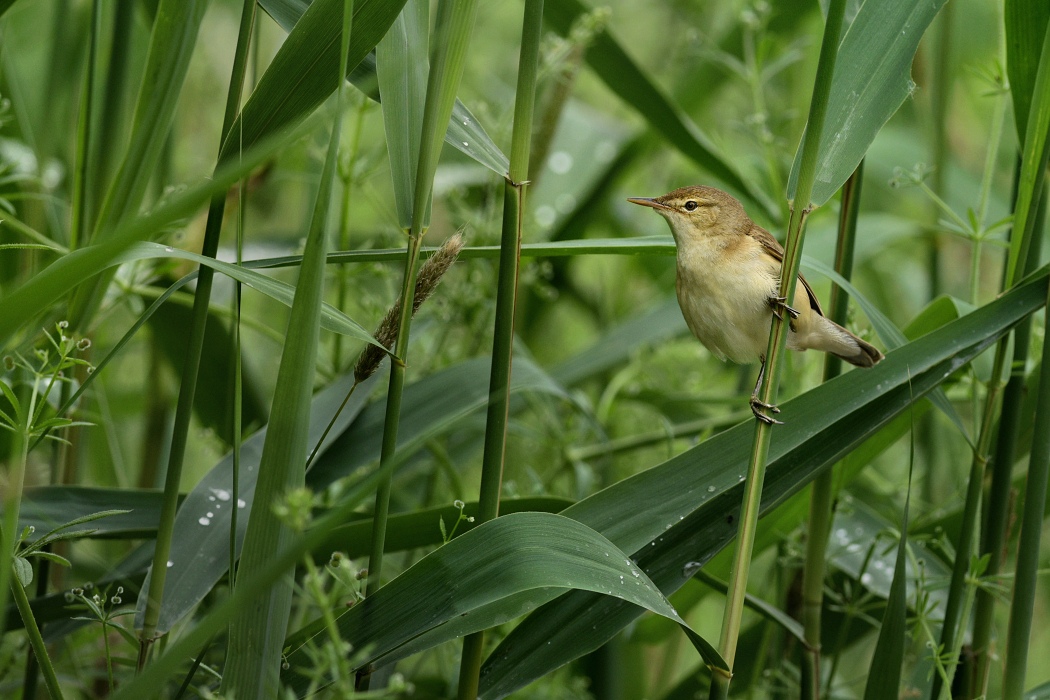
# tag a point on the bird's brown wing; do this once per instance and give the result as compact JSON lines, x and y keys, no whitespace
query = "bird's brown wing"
{"x":773,"y":247}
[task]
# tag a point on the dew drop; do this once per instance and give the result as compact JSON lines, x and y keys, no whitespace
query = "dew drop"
{"x":203,"y":520}
{"x":466,"y":145}
{"x":241,"y":503}
{"x":170,"y":563}
{"x":711,"y":488}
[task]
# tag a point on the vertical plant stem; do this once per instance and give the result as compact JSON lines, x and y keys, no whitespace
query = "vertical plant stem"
{"x":993,"y":534}
{"x":506,"y":306}
{"x":12,"y":497}
{"x":36,"y":640}
{"x":191,"y":366}
{"x":820,"y":504}
{"x":800,"y":209}
{"x":1022,"y":603}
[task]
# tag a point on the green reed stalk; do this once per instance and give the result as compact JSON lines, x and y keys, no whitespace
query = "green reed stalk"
{"x":800,"y":208}
{"x":191,"y":365}
{"x":36,"y":640}
{"x":820,"y":504}
{"x":506,"y":306}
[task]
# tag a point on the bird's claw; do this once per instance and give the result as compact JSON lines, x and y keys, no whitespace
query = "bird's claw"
{"x":778,"y":303}
{"x":758,"y":407}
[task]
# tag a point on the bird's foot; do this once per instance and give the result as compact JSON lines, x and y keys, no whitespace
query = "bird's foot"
{"x":758,"y":407}
{"x":778,"y":303}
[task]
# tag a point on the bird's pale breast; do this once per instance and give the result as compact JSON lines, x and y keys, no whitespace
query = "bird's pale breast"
{"x":724,"y":289}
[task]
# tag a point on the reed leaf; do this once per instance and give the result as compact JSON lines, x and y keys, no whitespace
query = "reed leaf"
{"x":871,"y":82}
{"x":522,"y":552}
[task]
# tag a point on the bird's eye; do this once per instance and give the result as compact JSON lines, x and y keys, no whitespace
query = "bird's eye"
{"x":691,"y":205}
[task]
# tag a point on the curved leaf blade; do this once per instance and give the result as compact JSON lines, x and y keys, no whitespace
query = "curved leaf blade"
{"x":304,"y":71}
{"x":871,"y":82}
{"x":500,"y":559}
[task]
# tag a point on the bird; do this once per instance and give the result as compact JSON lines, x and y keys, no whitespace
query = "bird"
{"x":727,"y":282}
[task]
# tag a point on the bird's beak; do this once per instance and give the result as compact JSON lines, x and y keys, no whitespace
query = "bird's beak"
{"x":647,"y":202}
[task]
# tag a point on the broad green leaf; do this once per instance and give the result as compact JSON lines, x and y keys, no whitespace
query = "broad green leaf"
{"x":5,"y":5}
{"x":23,"y":571}
{"x":303,"y":73}
{"x":1025,"y":22}
{"x":402,"y":66}
{"x":51,"y":507}
{"x":871,"y":82}
{"x":500,"y":559}
{"x":685,"y":509}
{"x":431,"y":406}
{"x":629,"y":82}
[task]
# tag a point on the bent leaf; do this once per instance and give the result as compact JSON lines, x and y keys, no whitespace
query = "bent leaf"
{"x":871,"y":81}
{"x":499,"y":560}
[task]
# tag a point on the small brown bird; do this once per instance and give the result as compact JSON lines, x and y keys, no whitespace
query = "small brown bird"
{"x":728,"y":280}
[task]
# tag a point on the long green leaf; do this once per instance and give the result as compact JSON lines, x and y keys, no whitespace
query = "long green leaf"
{"x":171,"y":46}
{"x":332,"y":319}
{"x":1034,"y":156}
{"x":256,"y":635}
{"x":304,"y":72}
{"x":871,"y":82}
{"x":500,"y":559}
{"x":402,"y":67}
{"x":685,"y":509}
{"x":433,"y":405}
{"x":1025,"y":22}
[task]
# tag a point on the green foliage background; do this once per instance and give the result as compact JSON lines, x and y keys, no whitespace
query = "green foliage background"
{"x":619,"y":419}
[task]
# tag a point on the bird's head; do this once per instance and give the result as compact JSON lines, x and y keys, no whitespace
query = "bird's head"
{"x":698,"y":211}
